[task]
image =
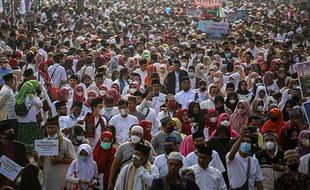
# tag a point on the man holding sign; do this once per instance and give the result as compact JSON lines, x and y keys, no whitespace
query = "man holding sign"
{"x":55,"y":167}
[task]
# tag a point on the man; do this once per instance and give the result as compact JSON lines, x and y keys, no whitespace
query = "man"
{"x":8,"y":101}
{"x":96,"y":84}
{"x":172,"y":179}
{"x":4,"y":69}
{"x":139,"y":174}
{"x":161,"y":160}
{"x":125,"y":151}
{"x":187,"y":95}
{"x":142,"y":70}
{"x":41,"y":50}
{"x":202,"y":90}
{"x":61,"y":109}
{"x":94,"y":122}
{"x":194,"y":80}
{"x":158,"y":98}
{"x":209,"y":103}
{"x":254,"y":123}
{"x":167,"y":127}
{"x":192,"y":158}
{"x":132,"y":103}
{"x":170,"y":105}
{"x":206,"y":176}
{"x":54,"y":168}
{"x":73,"y":81}
{"x":243,"y":170}
{"x":122,"y":122}
{"x":109,"y":110}
{"x":292,"y":179}
{"x":271,"y":160}
{"x":173,"y":81}
{"x":66,"y":123}
{"x":87,"y":69}
{"x":57,"y":72}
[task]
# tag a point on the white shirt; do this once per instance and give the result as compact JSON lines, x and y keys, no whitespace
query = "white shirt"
{"x":192,"y":159}
{"x":177,"y":82}
{"x":122,"y":125}
{"x":93,"y":141}
{"x":150,"y":114}
{"x":7,"y":103}
{"x":142,"y":176}
{"x":142,"y":74}
{"x":158,"y":101}
{"x":237,"y":168}
{"x":303,"y":164}
{"x":108,"y":83}
{"x":193,"y":82}
{"x":93,"y":87}
{"x":185,"y":98}
{"x":34,"y":105}
{"x":209,"y":178}
{"x":66,"y":122}
{"x":161,"y":163}
{"x":57,"y":73}
{"x":207,"y":104}
{"x":87,"y":70}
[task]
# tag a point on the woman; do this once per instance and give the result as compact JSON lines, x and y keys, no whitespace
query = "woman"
{"x":219,"y":80}
{"x":287,"y":94}
{"x":251,"y":80}
{"x":147,"y":128}
{"x":90,"y":95}
{"x":220,"y":105}
{"x":211,"y":72}
{"x":194,"y":112}
{"x":83,"y":171}
{"x":239,"y":118}
{"x":239,"y":69}
{"x":262,"y":63}
{"x":275,"y":122}
{"x":29,"y":178}
{"x":62,"y":96}
{"x":287,"y":109}
{"x":224,"y":120}
{"x":262,"y":94}
{"x":303,"y":143}
{"x":182,"y":115}
{"x":163,"y":72}
{"x":243,"y":93}
{"x":232,"y":101}
{"x":257,"y":108}
{"x":42,"y":75}
{"x":104,"y":156}
{"x":178,"y":127}
{"x":103,"y":91}
{"x":114,"y":93}
{"x":130,"y":90}
{"x":150,"y":69}
{"x":200,"y":71}
{"x":211,"y":121}
{"x":187,"y":146}
{"x":28,"y":127}
{"x":78,"y":95}
{"x":78,"y":137}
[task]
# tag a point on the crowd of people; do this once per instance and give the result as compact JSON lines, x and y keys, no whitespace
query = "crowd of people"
{"x":138,"y":98}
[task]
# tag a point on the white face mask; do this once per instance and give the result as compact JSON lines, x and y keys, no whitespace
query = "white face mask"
{"x":135,"y":139}
{"x":213,"y":119}
{"x":216,"y":79}
{"x":190,"y":74}
{"x":132,"y":90}
{"x":123,"y":112}
{"x":80,"y":138}
{"x":102,"y":92}
{"x":232,"y":101}
{"x":270,"y":145}
{"x":260,"y":108}
{"x":253,"y":80}
{"x":225,"y":123}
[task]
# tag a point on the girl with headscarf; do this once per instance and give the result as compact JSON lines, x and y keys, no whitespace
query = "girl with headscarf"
{"x":78,"y":137}
{"x":178,"y":127}
{"x":286,"y":95}
{"x":147,"y":129}
{"x":219,"y":80}
{"x":103,"y":153}
{"x":257,"y":108}
{"x":114,"y":93}
{"x":194,"y":112}
{"x":251,"y":80}
{"x":83,"y":171}
{"x":303,"y":143}
{"x":239,"y":118}
{"x":239,"y":69}
{"x":187,"y":146}
{"x":78,"y":95}
{"x":103,"y":91}
{"x":261,"y":93}
{"x":182,"y":115}
{"x":211,"y":121}
{"x":224,"y":120}
{"x":275,"y":122}
{"x":130,"y":90}
{"x":62,"y":95}
{"x":28,"y":129}
{"x":163,"y":72}
{"x":150,"y":69}
{"x":232,"y":101}
{"x":200,"y":71}
{"x":90,"y":95}
{"x":210,"y":76}
{"x":262,"y":63}
{"x":219,"y":104}
{"x":42,"y":75}
{"x":243,"y":93}
{"x":234,"y":79}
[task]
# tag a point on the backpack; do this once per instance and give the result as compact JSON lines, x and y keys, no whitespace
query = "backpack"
{"x":21,"y":109}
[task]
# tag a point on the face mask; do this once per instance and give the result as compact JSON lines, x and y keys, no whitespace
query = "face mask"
{"x":270,"y":145}
{"x":245,"y":147}
{"x":123,"y":112}
{"x":135,"y":139}
{"x":232,"y":101}
{"x":102,"y":92}
{"x":293,"y":167}
{"x":108,"y":109}
{"x":259,"y":108}
{"x":213,"y":119}
{"x":80,"y":138}
{"x":105,"y":145}
{"x":132,"y":90}
{"x":216,"y":79}
{"x":306,"y":142}
{"x":190,"y":74}
{"x":273,"y":118}
{"x":225,"y":123}
{"x":259,"y":84}
{"x":253,"y":80}
{"x":84,"y":158}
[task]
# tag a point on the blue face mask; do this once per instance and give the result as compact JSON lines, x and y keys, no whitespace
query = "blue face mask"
{"x":108,"y":109}
{"x":245,"y":147}
{"x":84,"y":158}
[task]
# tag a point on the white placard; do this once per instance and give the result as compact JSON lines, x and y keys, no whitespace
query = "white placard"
{"x":46,"y":147}
{"x":9,"y":168}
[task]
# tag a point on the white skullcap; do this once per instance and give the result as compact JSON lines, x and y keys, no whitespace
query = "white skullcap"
{"x":175,"y":156}
{"x":137,"y":129}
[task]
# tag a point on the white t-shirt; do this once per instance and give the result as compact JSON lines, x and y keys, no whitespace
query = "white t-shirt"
{"x":185,"y":98}
{"x":66,"y":122}
{"x":57,"y":73}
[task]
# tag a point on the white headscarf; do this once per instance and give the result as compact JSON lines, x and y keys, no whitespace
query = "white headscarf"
{"x":285,"y":97}
{"x":266,"y":95}
{"x":85,"y":169}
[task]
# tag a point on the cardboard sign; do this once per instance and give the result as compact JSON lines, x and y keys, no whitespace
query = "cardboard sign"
{"x":306,"y":107}
{"x":46,"y":147}
{"x":9,"y":168}
{"x":214,"y":30}
{"x":303,"y":71}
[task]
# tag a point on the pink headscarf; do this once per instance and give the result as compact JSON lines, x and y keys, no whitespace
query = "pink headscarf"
{"x":187,"y":146}
{"x":114,"y":93}
{"x":239,"y":118}
{"x":233,"y":133}
{"x":78,"y":95}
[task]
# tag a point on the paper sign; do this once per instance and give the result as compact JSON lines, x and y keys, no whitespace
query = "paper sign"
{"x":207,"y":3}
{"x":306,"y":107}
{"x":303,"y":71}
{"x":193,"y":12}
{"x":236,"y":15}
{"x":46,"y":147}
{"x":214,"y":30}
{"x":9,"y":168}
